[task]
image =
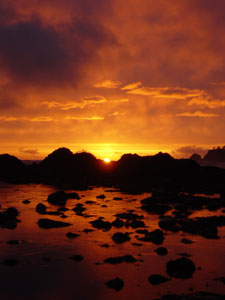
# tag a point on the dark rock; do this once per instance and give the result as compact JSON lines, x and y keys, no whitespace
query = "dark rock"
{"x":100,"y":224}
{"x":137,"y":244}
{"x":205,"y":226}
{"x":48,"y":224}
{"x":13,"y":242}
{"x":156,"y":279}
{"x":62,"y":209}
{"x":101,"y":196}
{"x":116,"y":284}
{"x":41,"y":208}
{"x":196,"y":157}
{"x":184,"y":254}
{"x":117,"y":198}
{"x":135,"y":224}
{"x":105,"y":245}
{"x":129,"y":216}
{"x":8,"y":218}
{"x":72,"y":196}
{"x":58,"y":198}
{"x":169,"y":223}
{"x":186,"y":241}
{"x":53,"y":213}
{"x":26,"y":201}
{"x":77,"y":258}
{"x":87,"y":230}
{"x":156,"y":208}
{"x":142,"y":231}
{"x":72,"y":235}
{"x":90,"y":202}
{"x":118,"y":223}
{"x":120,"y":237}
{"x":156,"y":237}
{"x":79,"y":208}
{"x":161,"y":251}
{"x":180,"y":268}
{"x":120,"y":259}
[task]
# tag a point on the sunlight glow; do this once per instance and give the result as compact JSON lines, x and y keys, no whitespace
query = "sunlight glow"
{"x":107,"y":160}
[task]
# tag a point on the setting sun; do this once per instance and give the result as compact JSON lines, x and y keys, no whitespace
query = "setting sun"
{"x":107,"y":160}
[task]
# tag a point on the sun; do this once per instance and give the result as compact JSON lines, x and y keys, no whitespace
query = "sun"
{"x":107,"y":160}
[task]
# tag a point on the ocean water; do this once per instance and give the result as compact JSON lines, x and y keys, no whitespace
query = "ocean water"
{"x":46,"y":272}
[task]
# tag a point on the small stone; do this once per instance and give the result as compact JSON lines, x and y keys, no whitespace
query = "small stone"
{"x":116,"y":284}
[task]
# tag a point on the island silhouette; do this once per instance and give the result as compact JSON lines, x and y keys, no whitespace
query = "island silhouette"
{"x":131,"y":172}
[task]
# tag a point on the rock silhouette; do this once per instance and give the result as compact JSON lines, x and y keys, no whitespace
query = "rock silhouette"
{"x":180,"y":268}
{"x":116,"y":284}
{"x":131,"y":173}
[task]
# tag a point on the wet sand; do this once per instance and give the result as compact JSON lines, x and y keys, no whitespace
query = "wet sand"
{"x":44,"y":265}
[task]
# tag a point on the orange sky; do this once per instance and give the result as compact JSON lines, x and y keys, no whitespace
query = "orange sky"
{"x":111,"y":76}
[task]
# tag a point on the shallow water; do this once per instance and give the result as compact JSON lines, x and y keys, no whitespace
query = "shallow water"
{"x":45,"y":271}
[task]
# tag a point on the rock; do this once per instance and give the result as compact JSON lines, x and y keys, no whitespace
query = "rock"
{"x":169,"y":223}
{"x":62,"y":209}
{"x":79,"y":208}
{"x":186,"y":241}
{"x":205,"y":226}
{"x":13,"y":242}
{"x":120,"y":237}
{"x":72,"y":196}
{"x":101,"y":196}
{"x":116,"y":284}
{"x":26,"y":201}
{"x":90,"y":202}
{"x":137,"y":244}
{"x":117,"y":198}
{"x":58,"y":198}
{"x":120,"y":259}
{"x":129,"y":216}
{"x":105,"y":245}
{"x":184,"y":254}
{"x":156,"y":237}
{"x":77,"y":258}
{"x":156,"y":279}
{"x":180,"y":268}
{"x":48,"y":224}
{"x":118,"y":223}
{"x":72,"y":235}
{"x":41,"y":208}
{"x":135,"y":224}
{"x":152,"y":205}
{"x":100,"y":224}
{"x":87,"y":230}
{"x":8,"y":218}
{"x":161,"y":251}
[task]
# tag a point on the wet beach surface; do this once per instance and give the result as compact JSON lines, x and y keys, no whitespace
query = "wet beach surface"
{"x":108,"y":247}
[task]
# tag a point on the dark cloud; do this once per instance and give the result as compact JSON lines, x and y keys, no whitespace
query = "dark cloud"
{"x":29,"y":151}
{"x":187,"y":151}
{"x":32,"y":52}
{"x":36,"y":53}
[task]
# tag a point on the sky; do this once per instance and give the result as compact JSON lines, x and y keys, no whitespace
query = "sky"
{"x":111,"y":76}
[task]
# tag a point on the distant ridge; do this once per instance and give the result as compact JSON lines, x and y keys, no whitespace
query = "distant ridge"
{"x":131,"y":172}
{"x":214,"y":157}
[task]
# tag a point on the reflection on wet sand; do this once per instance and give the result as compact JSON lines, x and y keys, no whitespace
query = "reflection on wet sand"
{"x":111,"y":247}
